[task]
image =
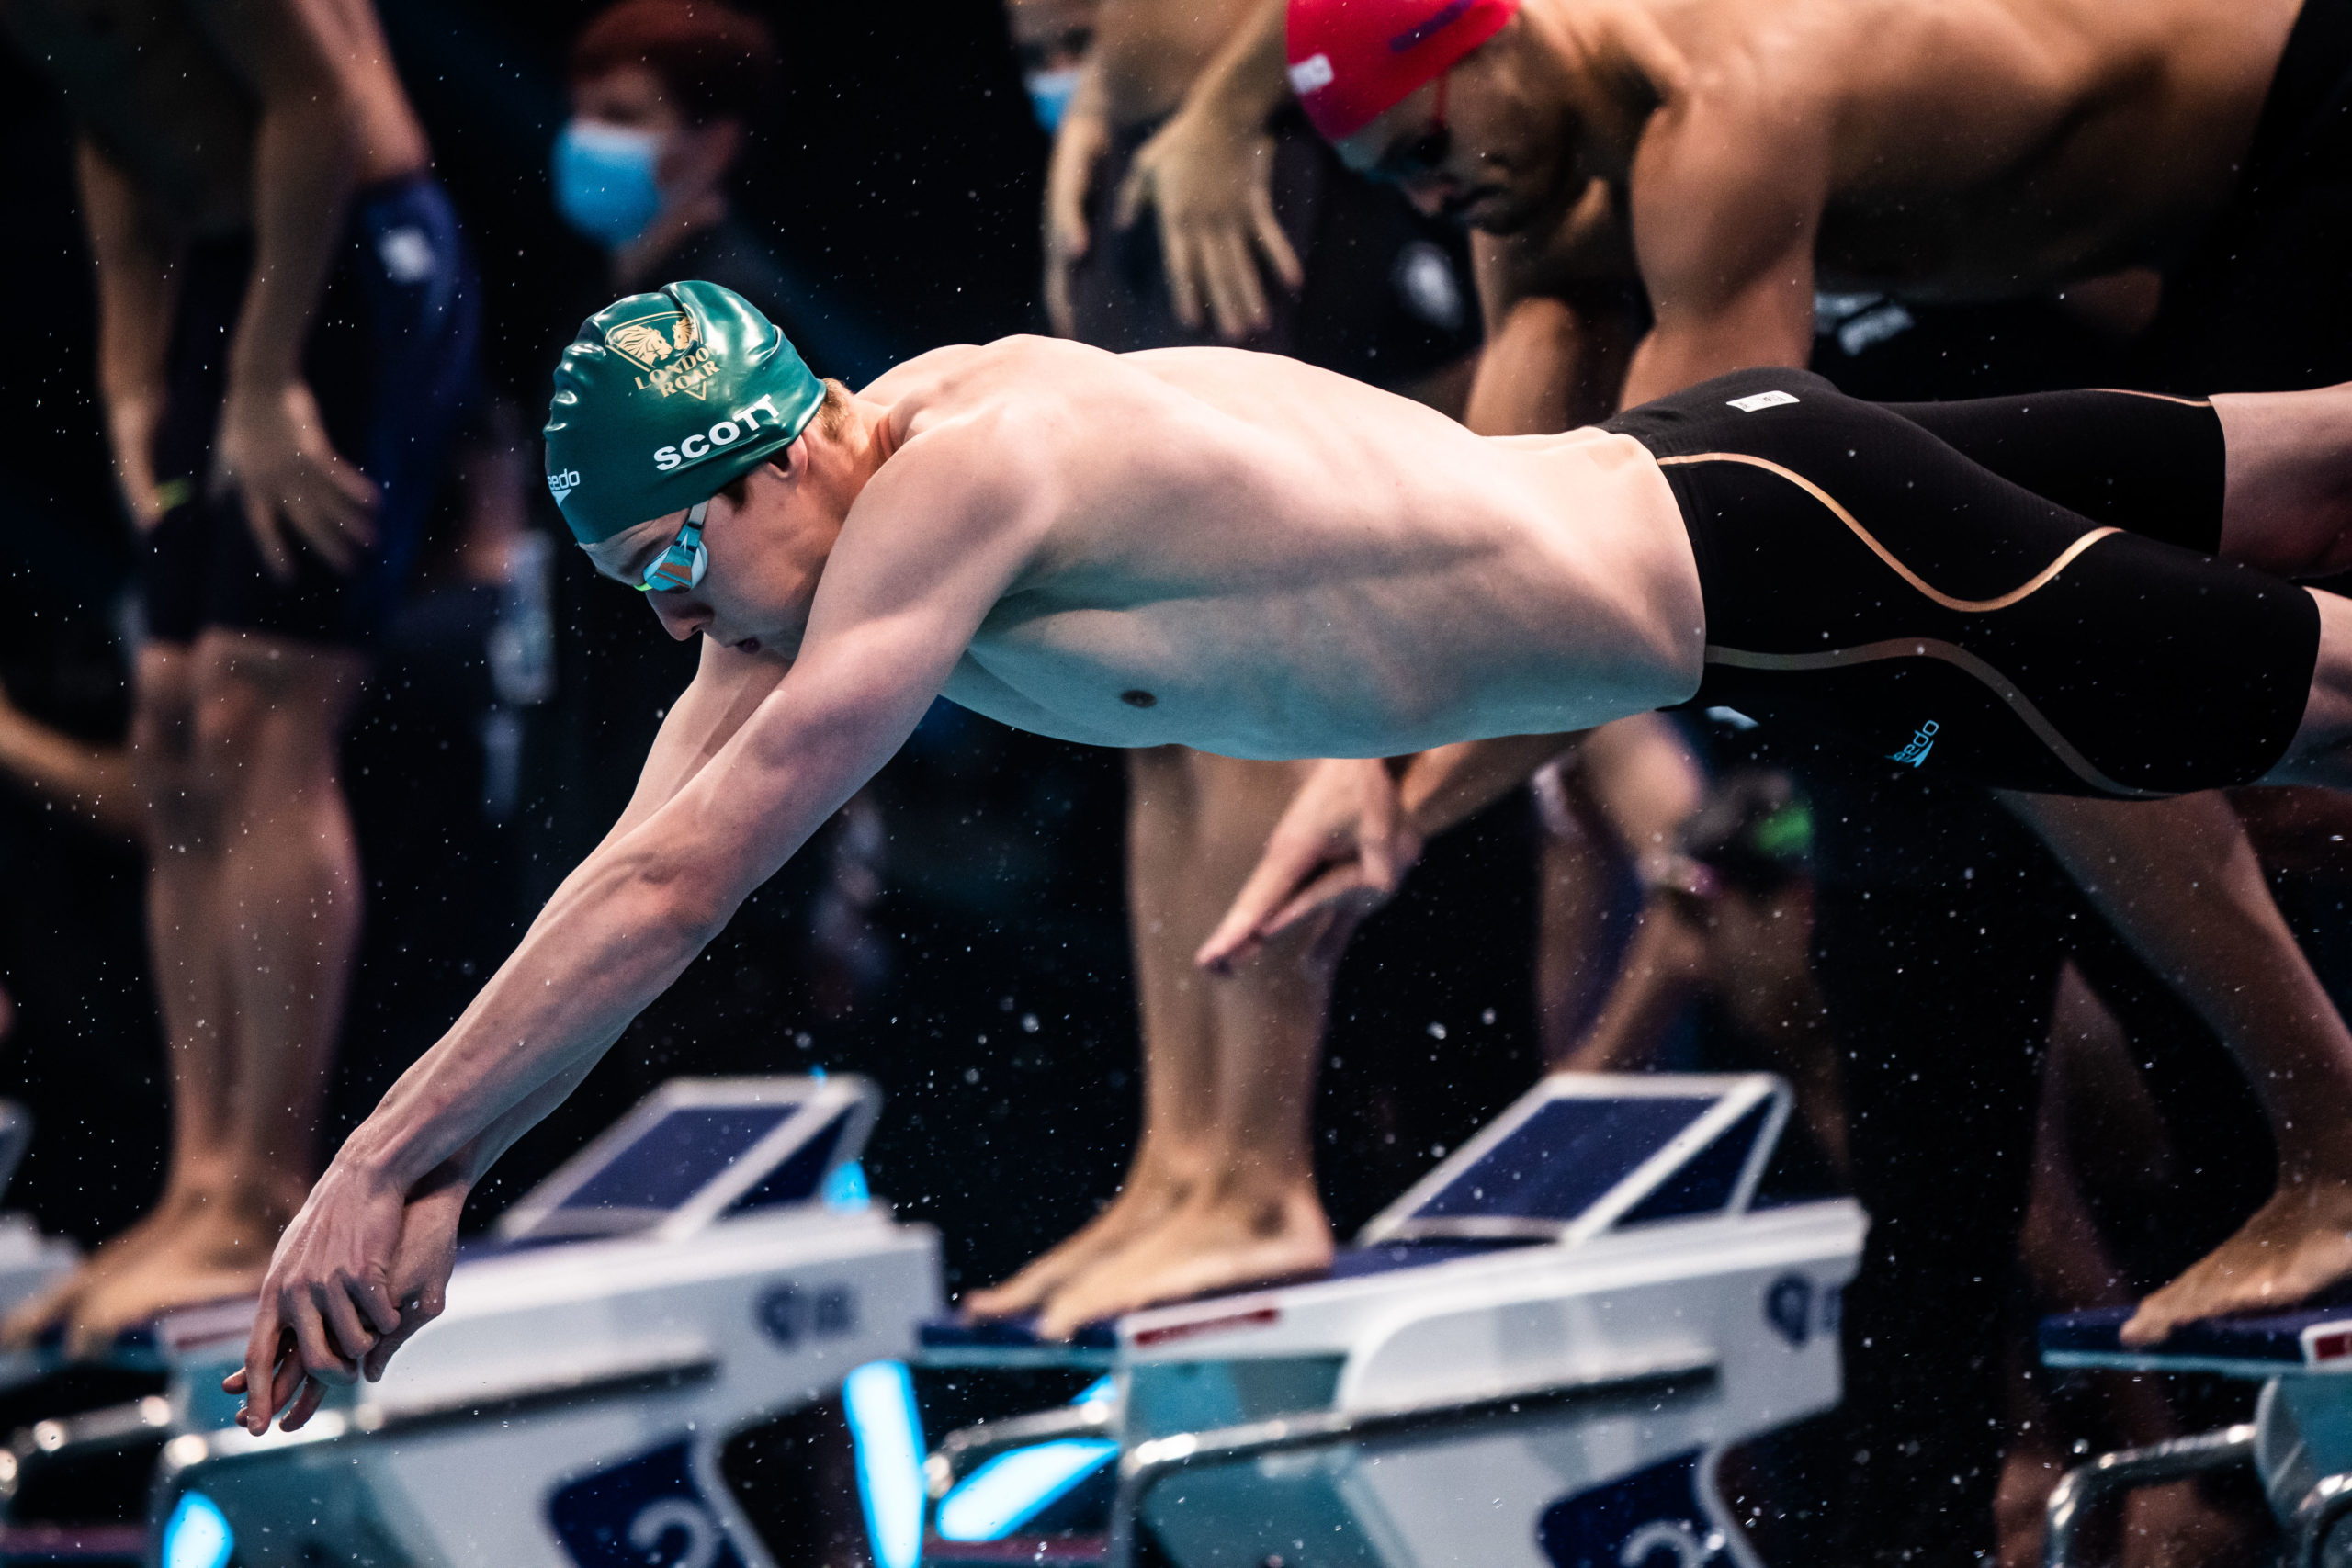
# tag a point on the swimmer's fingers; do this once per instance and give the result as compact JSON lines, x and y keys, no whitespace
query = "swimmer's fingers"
{"x":260,"y":520}
{"x":1289,"y":864}
{"x":1330,"y":943}
{"x":1271,"y":241}
{"x":1058,"y":314}
{"x":1184,"y":271}
{"x":267,"y":1349}
{"x":419,"y":1309}
{"x":313,"y":1335}
{"x":306,"y":1404}
{"x":1344,"y":892}
{"x":1229,"y":272}
{"x":1069,"y":174}
{"x":352,"y":1312}
{"x":331,"y":504}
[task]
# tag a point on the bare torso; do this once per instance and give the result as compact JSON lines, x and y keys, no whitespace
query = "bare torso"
{"x":1979,"y":143}
{"x":1965,"y":149}
{"x":151,"y":87}
{"x":1147,"y":51}
{"x":1257,"y":557}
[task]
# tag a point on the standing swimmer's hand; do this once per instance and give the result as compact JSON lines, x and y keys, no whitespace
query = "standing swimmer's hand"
{"x":1213,"y":185}
{"x":1083,"y":136}
{"x":133,"y":416}
{"x":272,"y":449}
{"x":1343,"y":847}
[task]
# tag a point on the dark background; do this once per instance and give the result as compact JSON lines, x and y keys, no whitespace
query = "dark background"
{"x":899,"y":177}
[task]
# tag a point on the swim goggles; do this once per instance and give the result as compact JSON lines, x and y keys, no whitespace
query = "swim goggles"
{"x":681,"y":566}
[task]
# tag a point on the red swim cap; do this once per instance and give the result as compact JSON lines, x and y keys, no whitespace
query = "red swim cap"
{"x":1352,"y":60}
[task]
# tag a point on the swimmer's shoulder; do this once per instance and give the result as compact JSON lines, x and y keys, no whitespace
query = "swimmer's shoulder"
{"x":1016,"y":389}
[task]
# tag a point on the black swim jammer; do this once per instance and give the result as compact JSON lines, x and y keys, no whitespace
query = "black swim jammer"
{"x":2017,"y":592}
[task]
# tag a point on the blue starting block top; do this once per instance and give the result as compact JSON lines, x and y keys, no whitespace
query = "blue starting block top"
{"x":1583,"y":1153}
{"x":699,"y":1150}
{"x":2266,"y":1344}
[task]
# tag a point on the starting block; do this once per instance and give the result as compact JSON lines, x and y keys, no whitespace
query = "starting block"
{"x":30,"y":1261}
{"x":697,"y":1270}
{"x":1537,"y":1355}
{"x":2299,"y":1443}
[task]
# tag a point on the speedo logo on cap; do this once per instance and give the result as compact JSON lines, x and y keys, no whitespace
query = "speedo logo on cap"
{"x":726,"y":433}
{"x":563,"y":484}
{"x":1310,"y":75}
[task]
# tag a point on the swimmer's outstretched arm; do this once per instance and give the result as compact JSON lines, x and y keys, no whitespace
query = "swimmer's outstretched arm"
{"x":2180,"y":881}
{"x":363,"y":1262}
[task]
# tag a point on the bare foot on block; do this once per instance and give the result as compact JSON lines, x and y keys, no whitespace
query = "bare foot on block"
{"x":221,"y":1250}
{"x":161,"y":1226}
{"x":1226,"y":1238}
{"x":1155,"y":1190}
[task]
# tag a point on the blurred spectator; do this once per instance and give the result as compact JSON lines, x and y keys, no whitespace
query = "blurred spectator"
{"x":666,"y":95}
{"x":1051,"y":37}
{"x":286,"y":331}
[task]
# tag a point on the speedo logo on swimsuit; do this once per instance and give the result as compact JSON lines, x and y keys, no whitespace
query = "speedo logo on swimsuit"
{"x":726,"y":433}
{"x":563,"y":484}
{"x":1754,"y":401}
{"x":1922,"y":743}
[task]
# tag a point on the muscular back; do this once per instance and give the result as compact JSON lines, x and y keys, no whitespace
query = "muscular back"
{"x":1971,"y":141}
{"x":1257,"y":557}
{"x":1951,"y":148}
{"x":159,"y":87}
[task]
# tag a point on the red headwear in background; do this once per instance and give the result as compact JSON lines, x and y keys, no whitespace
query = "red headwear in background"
{"x":1352,"y":60}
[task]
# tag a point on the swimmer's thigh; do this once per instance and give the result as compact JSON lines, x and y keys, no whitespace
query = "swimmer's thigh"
{"x":1865,"y":579}
{"x":2144,"y":461}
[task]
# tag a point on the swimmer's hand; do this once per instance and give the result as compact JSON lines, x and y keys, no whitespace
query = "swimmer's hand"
{"x":1341,"y":850}
{"x":1082,"y":140}
{"x":272,"y":450}
{"x":132,"y":415}
{"x":2295,"y":1245}
{"x":1212,"y":183}
{"x":362,"y":1268}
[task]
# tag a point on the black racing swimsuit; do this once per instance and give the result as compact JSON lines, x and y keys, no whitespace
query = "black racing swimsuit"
{"x":2017,"y":592}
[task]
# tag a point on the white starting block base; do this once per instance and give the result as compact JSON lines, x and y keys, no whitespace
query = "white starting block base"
{"x":680,"y":1282}
{"x":1537,"y":1359}
{"x":30,"y":1261}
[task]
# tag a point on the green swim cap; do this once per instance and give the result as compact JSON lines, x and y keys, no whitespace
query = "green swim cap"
{"x":665,"y":399}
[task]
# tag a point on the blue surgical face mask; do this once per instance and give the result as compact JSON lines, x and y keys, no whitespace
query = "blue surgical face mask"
{"x":603,"y":180}
{"x":1049,"y":94}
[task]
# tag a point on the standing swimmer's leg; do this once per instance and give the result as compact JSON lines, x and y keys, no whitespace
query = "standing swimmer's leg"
{"x":2322,"y":750}
{"x":1179,"y":1056}
{"x":1253,"y":1213}
{"x":282,"y":926}
{"x":181,"y":796}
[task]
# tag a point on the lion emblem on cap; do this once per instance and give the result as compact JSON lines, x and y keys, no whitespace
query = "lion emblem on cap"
{"x":647,"y":343}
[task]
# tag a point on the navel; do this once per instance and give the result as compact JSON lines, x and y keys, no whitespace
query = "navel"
{"x":1139,"y":698}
